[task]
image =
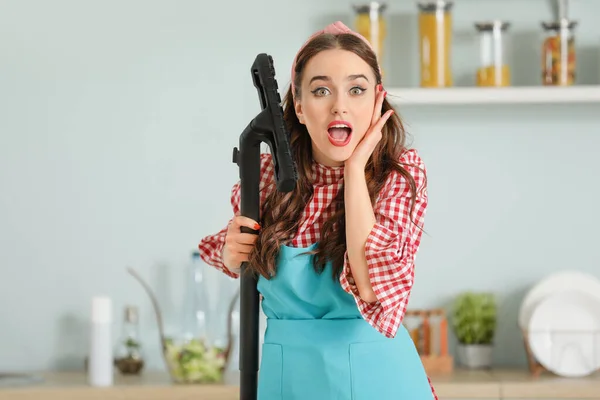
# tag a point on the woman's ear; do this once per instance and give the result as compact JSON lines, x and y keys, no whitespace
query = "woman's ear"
{"x":298,"y":109}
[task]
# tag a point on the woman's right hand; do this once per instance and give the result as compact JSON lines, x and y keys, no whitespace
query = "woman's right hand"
{"x":238,"y":245}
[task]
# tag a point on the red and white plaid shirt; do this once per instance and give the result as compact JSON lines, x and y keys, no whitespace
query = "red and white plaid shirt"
{"x":391,"y":246}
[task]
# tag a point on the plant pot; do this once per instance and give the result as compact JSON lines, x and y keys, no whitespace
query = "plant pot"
{"x":475,"y":355}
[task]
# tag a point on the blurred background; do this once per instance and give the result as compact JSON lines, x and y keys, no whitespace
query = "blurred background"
{"x":117,"y":124}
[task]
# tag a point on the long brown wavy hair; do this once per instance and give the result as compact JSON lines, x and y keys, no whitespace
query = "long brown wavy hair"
{"x":282,"y":211}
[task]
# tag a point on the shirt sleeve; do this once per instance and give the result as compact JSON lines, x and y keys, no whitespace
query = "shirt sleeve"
{"x":391,"y":248}
{"x":211,"y":246}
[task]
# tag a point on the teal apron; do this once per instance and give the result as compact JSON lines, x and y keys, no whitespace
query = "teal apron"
{"x":318,"y":347}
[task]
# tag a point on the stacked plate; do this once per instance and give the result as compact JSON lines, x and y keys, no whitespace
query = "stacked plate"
{"x":561,"y":316}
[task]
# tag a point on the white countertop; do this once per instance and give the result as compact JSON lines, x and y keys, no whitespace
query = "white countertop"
{"x":461,"y":384}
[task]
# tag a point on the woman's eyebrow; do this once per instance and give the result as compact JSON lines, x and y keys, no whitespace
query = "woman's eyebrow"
{"x":327,"y":78}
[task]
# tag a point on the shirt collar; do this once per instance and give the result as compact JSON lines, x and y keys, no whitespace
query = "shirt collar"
{"x":325,"y":175}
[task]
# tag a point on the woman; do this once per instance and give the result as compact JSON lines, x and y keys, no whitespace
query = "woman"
{"x":335,"y":256}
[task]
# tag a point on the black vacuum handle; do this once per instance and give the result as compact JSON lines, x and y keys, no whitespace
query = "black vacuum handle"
{"x":263,"y":74}
{"x":269,"y":127}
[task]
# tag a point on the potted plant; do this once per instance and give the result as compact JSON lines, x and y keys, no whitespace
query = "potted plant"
{"x":474,"y":323}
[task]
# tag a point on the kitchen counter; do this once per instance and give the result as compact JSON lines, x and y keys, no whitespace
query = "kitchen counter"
{"x":495,"y":384}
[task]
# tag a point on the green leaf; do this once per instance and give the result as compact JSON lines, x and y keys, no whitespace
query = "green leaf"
{"x":474,"y":318}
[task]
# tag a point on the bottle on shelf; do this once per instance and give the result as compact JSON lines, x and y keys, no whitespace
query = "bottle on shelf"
{"x":558,"y":53}
{"x":494,"y":69}
{"x":370,"y":23}
{"x":435,"y":43}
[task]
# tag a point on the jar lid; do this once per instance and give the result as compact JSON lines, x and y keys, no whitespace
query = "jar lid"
{"x":432,"y":6}
{"x":367,"y":8}
{"x":557,"y":25}
{"x":492,"y":25}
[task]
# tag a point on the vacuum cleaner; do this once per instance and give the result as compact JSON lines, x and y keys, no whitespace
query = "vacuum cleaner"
{"x":268,"y":127}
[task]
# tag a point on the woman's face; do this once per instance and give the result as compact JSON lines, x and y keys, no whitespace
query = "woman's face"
{"x":336,"y":104}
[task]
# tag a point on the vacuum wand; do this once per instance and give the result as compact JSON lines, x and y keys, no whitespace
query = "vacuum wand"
{"x":269,"y":127}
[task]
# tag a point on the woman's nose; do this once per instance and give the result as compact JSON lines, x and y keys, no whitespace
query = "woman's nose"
{"x":339,"y":105}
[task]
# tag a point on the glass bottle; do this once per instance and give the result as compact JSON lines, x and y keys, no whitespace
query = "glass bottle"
{"x":195,"y":309}
{"x":435,"y":42}
{"x":494,"y":69}
{"x":232,"y":368}
{"x":128,"y":356}
{"x":370,"y":23}
{"x":558,"y":53}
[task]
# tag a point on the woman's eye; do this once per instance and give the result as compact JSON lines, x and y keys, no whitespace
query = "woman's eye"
{"x":320,"y":91}
{"x":356,"y":90}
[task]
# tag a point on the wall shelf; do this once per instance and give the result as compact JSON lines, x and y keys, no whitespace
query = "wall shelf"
{"x":506,"y":95}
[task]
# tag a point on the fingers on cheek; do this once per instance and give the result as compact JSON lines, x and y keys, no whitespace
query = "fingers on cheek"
{"x":377,"y":137}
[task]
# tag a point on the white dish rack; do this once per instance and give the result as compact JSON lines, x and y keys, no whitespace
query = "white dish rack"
{"x":560,"y":324}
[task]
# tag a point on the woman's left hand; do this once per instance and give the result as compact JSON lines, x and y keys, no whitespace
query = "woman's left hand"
{"x":364,"y":149}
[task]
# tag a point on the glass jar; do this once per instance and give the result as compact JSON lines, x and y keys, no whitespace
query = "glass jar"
{"x":435,"y":42}
{"x":370,"y":23}
{"x":493,"y":68}
{"x":558,"y":53}
{"x":128,"y":354}
{"x":196,"y":354}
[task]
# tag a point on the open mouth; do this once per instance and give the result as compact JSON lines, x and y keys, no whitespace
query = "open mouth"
{"x":339,"y":133}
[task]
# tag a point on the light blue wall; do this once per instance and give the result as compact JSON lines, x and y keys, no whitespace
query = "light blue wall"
{"x":117,"y":125}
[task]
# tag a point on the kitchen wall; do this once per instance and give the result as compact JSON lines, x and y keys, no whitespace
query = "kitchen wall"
{"x":117,"y":125}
